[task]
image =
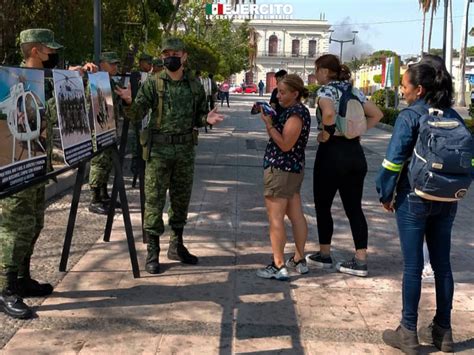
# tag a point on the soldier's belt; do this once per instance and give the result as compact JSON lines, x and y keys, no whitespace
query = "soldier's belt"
{"x":172,"y":139}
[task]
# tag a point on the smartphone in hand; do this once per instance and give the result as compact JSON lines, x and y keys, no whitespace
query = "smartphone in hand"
{"x":262,"y":106}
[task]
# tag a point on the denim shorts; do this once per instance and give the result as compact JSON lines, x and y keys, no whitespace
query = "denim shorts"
{"x":281,"y":184}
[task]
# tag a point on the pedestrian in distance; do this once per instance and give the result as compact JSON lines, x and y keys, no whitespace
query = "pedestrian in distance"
{"x":424,"y":87}
{"x":340,"y":165}
{"x":145,"y":63}
{"x":284,"y":164}
{"x":157,"y":65}
{"x":279,"y":75}
{"x":224,"y":92}
{"x":22,"y":214}
{"x":261,"y":86}
{"x":179,"y":108}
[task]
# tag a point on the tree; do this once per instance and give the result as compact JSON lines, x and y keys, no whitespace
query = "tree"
{"x":377,"y":78}
{"x":424,"y":6}
{"x":376,"y":57}
{"x":434,"y":6}
{"x":355,"y":64}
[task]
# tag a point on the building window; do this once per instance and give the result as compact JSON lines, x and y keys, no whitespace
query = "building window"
{"x":312,"y":48}
{"x":295,"y":48}
{"x":272,"y":45}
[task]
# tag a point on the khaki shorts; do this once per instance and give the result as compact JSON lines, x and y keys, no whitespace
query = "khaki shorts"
{"x":281,"y":184}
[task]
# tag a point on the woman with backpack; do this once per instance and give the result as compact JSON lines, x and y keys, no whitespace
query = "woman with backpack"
{"x":424,"y":87}
{"x":340,"y":165}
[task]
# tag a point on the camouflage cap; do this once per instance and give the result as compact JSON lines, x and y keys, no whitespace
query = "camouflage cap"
{"x":39,"y":35}
{"x":109,"y":57}
{"x":172,"y":43}
{"x":158,"y":62}
{"x":145,"y":57}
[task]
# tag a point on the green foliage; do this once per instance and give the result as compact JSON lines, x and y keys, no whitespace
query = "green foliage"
{"x":377,"y":78}
{"x":376,"y":57}
{"x":202,"y":55}
{"x":313,"y":88}
{"x":355,"y":64}
{"x":389,"y":115}
{"x":471,"y":110}
{"x":470,"y":124}
{"x":379,"y":98}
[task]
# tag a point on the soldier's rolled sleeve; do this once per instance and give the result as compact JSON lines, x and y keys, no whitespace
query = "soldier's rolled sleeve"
{"x":145,"y":100}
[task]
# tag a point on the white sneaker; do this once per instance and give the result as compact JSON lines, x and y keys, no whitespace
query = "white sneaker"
{"x":272,"y":272}
{"x":299,"y":266}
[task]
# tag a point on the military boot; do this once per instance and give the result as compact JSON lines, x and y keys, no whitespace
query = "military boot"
{"x":96,"y":205}
{"x":152,"y":263}
{"x":403,"y":339}
{"x":177,"y":251}
{"x":28,"y":287}
{"x":105,"y":198}
{"x":10,"y":302}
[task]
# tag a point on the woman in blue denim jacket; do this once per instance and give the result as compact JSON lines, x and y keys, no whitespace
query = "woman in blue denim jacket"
{"x":422,"y":85}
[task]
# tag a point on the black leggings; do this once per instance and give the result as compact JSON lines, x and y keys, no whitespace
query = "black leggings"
{"x":340,"y":165}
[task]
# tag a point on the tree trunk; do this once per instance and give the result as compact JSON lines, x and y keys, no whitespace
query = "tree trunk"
{"x":461,"y":87}
{"x":170,"y":24}
{"x":423,"y":33}
{"x":449,"y":39}
{"x":431,"y":28}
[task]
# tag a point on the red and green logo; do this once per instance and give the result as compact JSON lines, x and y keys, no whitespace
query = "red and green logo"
{"x":214,"y":9}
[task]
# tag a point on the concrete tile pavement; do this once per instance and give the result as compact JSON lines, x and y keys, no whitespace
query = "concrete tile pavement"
{"x":220,"y":306}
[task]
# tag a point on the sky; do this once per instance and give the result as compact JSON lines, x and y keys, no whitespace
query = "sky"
{"x":382,"y":24}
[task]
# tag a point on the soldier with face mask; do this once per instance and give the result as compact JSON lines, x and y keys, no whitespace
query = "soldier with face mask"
{"x":179,"y":107}
{"x":22,"y":214}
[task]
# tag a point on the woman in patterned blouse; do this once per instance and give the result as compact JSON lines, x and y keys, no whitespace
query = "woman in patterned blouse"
{"x":283,"y":164}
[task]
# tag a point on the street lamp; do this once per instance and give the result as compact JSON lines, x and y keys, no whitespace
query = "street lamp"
{"x":342,"y":41}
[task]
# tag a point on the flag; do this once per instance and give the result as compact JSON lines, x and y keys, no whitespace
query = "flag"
{"x":214,"y":9}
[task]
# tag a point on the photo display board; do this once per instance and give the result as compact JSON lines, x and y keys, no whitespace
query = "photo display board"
{"x":102,"y":109}
{"x":22,"y":126}
{"x":73,"y":120}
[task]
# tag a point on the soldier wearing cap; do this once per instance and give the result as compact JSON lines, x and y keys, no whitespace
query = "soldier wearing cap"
{"x":145,"y":63}
{"x":170,"y":164}
{"x":157,"y":65}
{"x":22,"y":214}
{"x":101,"y":164}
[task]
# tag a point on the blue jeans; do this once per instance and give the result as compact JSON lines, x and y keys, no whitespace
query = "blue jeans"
{"x":418,"y":219}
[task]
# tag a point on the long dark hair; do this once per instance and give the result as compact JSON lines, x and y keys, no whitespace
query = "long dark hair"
{"x":436,"y":82}
{"x":337,"y":71}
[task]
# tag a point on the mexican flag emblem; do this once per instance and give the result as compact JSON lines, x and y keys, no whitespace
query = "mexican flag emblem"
{"x":214,"y":9}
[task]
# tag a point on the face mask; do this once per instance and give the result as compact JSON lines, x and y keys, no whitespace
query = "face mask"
{"x":52,"y":61}
{"x":172,"y":63}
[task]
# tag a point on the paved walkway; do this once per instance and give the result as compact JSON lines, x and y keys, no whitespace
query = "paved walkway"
{"x":220,"y":306}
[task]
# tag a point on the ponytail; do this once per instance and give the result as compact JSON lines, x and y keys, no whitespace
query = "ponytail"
{"x":337,"y":71}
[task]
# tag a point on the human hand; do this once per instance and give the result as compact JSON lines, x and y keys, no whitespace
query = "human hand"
{"x":214,"y":118}
{"x":266,"y":119}
{"x":388,"y":206}
{"x":88,"y":67}
{"x":323,"y":137}
{"x":125,"y":94}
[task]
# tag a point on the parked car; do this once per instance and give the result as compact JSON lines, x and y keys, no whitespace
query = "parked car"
{"x":234,"y":88}
{"x":247,"y":89}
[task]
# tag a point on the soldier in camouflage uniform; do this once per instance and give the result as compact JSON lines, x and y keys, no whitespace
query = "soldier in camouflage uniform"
{"x":157,"y":65}
{"x":101,"y":164}
{"x":22,"y":214}
{"x":145,"y":63}
{"x":170,"y":165}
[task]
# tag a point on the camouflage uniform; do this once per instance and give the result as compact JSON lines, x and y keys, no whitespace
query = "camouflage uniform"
{"x":171,"y":162}
{"x":22,"y":215}
{"x":101,"y":164}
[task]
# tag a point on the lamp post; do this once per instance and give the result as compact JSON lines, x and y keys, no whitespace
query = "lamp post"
{"x":342,"y":41}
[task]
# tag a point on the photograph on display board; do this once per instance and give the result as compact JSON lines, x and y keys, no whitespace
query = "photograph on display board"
{"x":103,"y":117}
{"x":22,"y":127}
{"x":73,"y":119}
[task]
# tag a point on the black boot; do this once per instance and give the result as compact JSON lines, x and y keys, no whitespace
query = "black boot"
{"x":11,"y":303}
{"x":152,"y":263}
{"x":96,"y":205}
{"x":28,"y":287}
{"x":177,"y":251}
{"x":403,"y":339}
{"x":440,"y":337}
{"x":105,"y":198}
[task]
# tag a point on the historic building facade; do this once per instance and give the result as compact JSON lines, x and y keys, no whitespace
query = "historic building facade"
{"x":287,"y":44}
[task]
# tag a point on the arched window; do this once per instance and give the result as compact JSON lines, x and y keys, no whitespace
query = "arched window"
{"x":312,"y":48}
{"x":295,"y":48}
{"x":272,"y":45}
